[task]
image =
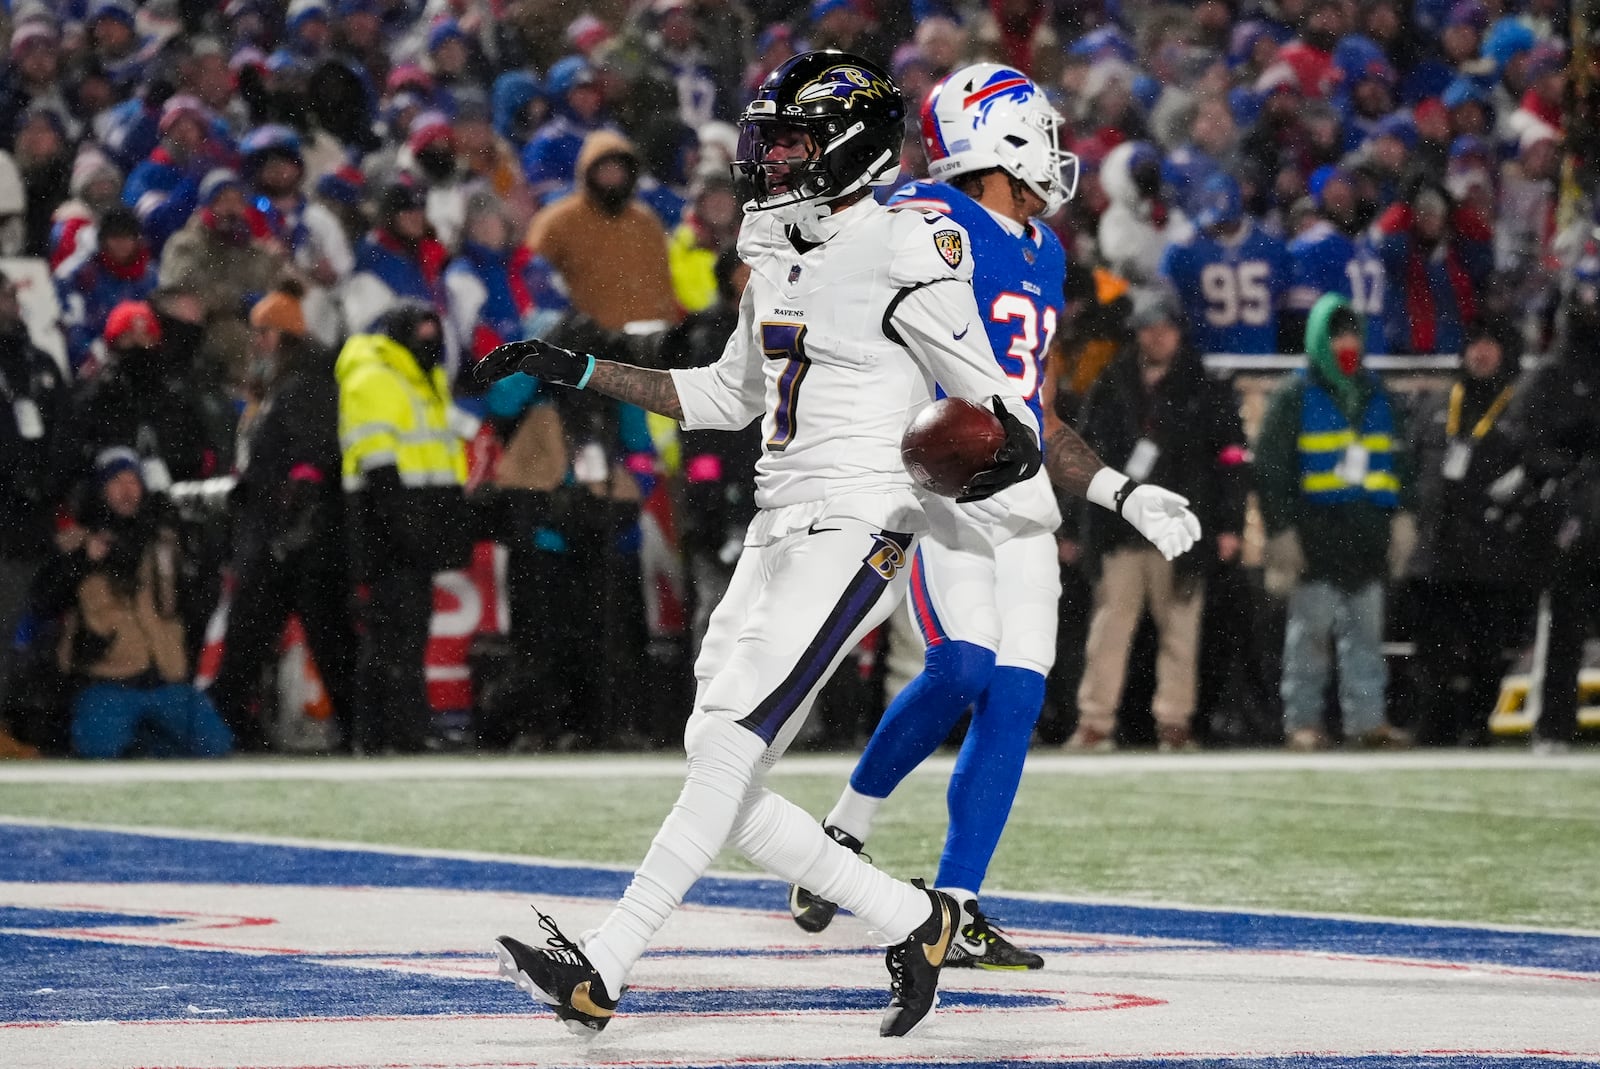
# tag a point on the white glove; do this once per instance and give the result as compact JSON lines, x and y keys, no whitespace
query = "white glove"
{"x":986,"y":511}
{"x":1159,"y":514}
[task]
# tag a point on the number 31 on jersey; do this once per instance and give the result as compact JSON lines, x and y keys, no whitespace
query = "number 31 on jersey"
{"x":1029,"y":342}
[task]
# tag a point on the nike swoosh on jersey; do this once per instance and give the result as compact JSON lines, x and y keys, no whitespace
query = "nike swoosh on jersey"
{"x":814,"y":529}
{"x":963,"y":333}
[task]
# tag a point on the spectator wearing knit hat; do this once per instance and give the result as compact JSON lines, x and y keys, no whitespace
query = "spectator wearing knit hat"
{"x":44,"y":157}
{"x":220,"y":257}
{"x":164,"y":189}
{"x":141,"y":399}
{"x":32,"y":77}
{"x":398,"y":259}
{"x":95,"y":188}
{"x":1436,"y":260}
{"x":578,"y":105}
{"x":428,"y":160}
{"x":289,"y":550}
{"x":118,"y":268}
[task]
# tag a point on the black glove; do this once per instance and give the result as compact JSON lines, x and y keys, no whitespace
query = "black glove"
{"x":537,"y":358}
{"x":1017,"y":461}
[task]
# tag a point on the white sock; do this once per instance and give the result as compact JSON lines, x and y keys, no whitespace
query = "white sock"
{"x":783,"y":839}
{"x":853,"y":814}
{"x":722,"y":759}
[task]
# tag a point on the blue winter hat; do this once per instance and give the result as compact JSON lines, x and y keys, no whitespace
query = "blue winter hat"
{"x":1465,"y":90}
{"x":1320,"y":178}
{"x":1108,"y":42}
{"x":567,"y":73}
{"x":1505,"y":41}
{"x":116,"y":9}
{"x":1470,"y":145}
{"x":1399,"y":126}
{"x":109,"y":463}
{"x":216,"y":183}
{"x":1219,"y":202}
{"x":445,"y":30}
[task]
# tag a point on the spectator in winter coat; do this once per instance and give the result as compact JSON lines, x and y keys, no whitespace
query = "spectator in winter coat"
{"x":484,"y":159}
{"x":490,"y":303}
{"x":608,"y":247}
{"x":428,"y":160}
{"x":32,"y":77}
{"x":123,"y":638}
{"x":220,"y":256}
{"x":1436,"y":259}
{"x":399,"y":259}
{"x":1330,"y":471}
{"x":1156,"y":415}
{"x":550,"y":160}
{"x":1138,"y":224}
{"x":710,"y":227}
{"x":290,"y":552}
{"x":519,"y":108}
{"x":165,"y":189}
{"x":1472,"y":592}
{"x":313,"y":238}
{"x":45,"y":160}
{"x":95,"y":188}
{"x":33,"y":413}
{"x":140,"y":399}
{"x":120,"y":269}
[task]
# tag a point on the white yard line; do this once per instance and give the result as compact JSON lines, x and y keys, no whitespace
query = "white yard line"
{"x":519,"y":859}
{"x":347,"y":770}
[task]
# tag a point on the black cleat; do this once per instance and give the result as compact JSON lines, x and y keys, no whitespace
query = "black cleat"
{"x":812,"y":912}
{"x":914,"y":966}
{"x":981,"y":945}
{"x":560,"y":976}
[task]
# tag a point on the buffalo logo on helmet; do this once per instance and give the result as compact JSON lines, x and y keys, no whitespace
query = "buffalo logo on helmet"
{"x":847,"y":83}
{"x":888,"y":553}
{"x":948,"y":242}
{"x":1001,"y":85}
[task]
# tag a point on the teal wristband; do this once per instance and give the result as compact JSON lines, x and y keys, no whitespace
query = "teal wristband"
{"x":588,"y":371}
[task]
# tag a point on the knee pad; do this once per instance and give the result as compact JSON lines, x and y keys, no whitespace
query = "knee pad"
{"x":960,"y":670}
{"x":713,"y":743}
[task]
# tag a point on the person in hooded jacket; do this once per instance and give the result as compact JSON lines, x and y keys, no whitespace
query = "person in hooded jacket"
{"x":404,"y":469}
{"x":289,"y":540}
{"x":1472,"y":590}
{"x":1155,"y":414}
{"x":1554,"y":427}
{"x":610,"y":249}
{"x":550,"y":158}
{"x":490,"y":301}
{"x":1332,"y":478}
{"x":1139,"y":223}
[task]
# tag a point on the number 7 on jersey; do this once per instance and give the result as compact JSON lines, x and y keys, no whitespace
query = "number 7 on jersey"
{"x":787,"y":342}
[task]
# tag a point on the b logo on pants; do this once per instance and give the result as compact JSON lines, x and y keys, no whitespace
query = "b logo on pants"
{"x":888,"y":554}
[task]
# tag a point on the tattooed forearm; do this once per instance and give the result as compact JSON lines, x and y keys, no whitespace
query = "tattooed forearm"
{"x":1070,"y":462}
{"x":650,"y":390}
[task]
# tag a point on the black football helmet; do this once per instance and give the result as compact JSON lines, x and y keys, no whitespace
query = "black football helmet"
{"x":854,"y":115}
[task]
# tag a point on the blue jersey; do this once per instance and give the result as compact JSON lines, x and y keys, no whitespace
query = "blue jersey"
{"x":1231,"y":290}
{"x":1323,"y":260}
{"x":1018,"y":280}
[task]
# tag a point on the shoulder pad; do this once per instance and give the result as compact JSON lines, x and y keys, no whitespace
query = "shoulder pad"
{"x":759,"y":234}
{"x":929,"y":247}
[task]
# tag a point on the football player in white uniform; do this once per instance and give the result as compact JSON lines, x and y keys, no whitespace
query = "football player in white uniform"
{"x":852,"y":314}
{"x":984,"y":597}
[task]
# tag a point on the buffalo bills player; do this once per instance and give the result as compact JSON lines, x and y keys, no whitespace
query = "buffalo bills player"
{"x":1232,"y":276}
{"x":984,"y":597}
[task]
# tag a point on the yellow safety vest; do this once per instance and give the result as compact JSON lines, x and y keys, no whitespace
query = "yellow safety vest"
{"x":391,"y":412}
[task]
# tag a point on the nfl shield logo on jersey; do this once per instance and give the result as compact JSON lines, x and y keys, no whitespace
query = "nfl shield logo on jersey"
{"x":948,"y":242}
{"x":794,"y":274}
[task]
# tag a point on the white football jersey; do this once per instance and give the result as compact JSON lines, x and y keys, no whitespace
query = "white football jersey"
{"x":838,"y":346}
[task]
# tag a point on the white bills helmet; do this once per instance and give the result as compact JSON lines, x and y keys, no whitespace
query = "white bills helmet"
{"x":990,"y":115}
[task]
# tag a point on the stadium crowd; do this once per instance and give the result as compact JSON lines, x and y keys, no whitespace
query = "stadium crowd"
{"x":223,"y":195}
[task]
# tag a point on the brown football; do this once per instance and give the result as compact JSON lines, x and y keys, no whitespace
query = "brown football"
{"x":948,"y":443}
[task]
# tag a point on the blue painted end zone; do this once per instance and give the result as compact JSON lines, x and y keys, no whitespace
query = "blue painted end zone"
{"x":67,"y":855}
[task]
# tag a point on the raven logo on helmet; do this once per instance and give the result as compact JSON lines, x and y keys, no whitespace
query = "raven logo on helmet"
{"x":846,"y":83}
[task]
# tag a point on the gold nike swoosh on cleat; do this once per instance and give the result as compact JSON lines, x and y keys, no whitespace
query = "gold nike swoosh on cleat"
{"x":947,"y":930}
{"x":581,"y":1002}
